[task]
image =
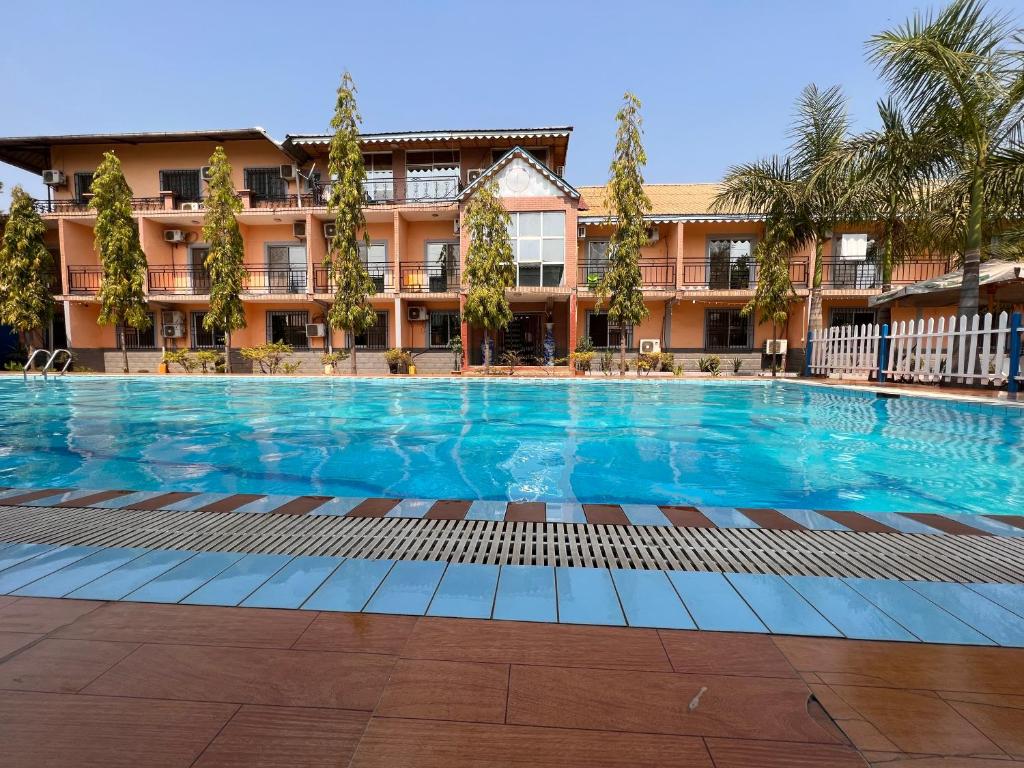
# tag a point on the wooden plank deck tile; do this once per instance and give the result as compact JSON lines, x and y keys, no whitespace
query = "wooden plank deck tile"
{"x":605,"y":514}
{"x":357,"y":633}
{"x":159,"y":502}
{"x":526,"y":512}
{"x":373,"y":507}
{"x":742,"y":753}
{"x":61,"y":666}
{"x":772,"y":519}
{"x":94,"y":498}
{"x":231,"y":503}
{"x":856,"y":522}
{"x":301,"y":505}
{"x":946,"y":524}
{"x":686,"y":517}
{"x":464,"y":691}
{"x":448,"y":509}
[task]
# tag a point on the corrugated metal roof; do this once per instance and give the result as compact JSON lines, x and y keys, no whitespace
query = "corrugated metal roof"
{"x":443,"y":135}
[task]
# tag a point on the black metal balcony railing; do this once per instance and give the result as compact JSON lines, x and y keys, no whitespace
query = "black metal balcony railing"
{"x":84,"y":280}
{"x":437,"y":189}
{"x":190,"y":281}
{"x":732,"y":276}
{"x":655,"y":273}
{"x":415,"y":276}
{"x":868,"y":274}
{"x":82,"y":206}
{"x":261,"y":279}
{"x":383,"y":279}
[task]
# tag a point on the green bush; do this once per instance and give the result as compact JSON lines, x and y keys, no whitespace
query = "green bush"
{"x":209,"y":360}
{"x":333,"y":358}
{"x":268,"y":357}
{"x":645,"y":363}
{"x":398,"y":360}
{"x":667,"y":361}
{"x":711,"y":364}
{"x":182,"y":358}
{"x":582,"y":359}
{"x":511,"y":359}
{"x":737,"y":363}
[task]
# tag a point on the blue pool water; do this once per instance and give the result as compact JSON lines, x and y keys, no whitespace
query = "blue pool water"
{"x":761,"y":443}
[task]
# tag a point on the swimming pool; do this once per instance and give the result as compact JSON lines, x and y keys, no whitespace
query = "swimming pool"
{"x":735,"y":444}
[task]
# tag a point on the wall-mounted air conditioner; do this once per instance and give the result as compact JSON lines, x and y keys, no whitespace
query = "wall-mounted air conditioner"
{"x":776,"y":346}
{"x":473,"y":174}
{"x":299,"y":229}
{"x":172,"y":324}
{"x":417,"y":314}
{"x":650,"y":346}
{"x":330,"y":230}
{"x":206,"y":172}
{"x":288,"y":172}
{"x":653,"y":235}
{"x":174,"y":236}
{"x":54,"y":178}
{"x":171,"y":331}
{"x":316,"y":330}
{"x":190,"y":207}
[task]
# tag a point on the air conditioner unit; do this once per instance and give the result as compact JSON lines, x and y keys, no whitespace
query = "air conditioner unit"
{"x":206,"y":172}
{"x":474,"y":174}
{"x":54,"y":178}
{"x":174,"y":236}
{"x":455,"y":227}
{"x":299,"y":229}
{"x":330,"y":230}
{"x":191,"y":207}
{"x":288,"y":172}
{"x":560,"y":171}
{"x":650,"y":346}
{"x":417,"y":314}
{"x":315,"y":330}
{"x":171,"y":331}
{"x":776,"y":346}
{"x":581,"y":232}
{"x":653,"y":235}
{"x":172,"y":317}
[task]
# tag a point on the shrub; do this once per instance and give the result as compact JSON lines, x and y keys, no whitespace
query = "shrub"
{"x":667,"y":361}
{"x":180,"y":357}
{"x":208,"y":360}
{"x":711,"y":364}
{"x":268,"y":357}
{"x":677,"y":371}
{"x":512,"y":359}
{"x":737,"y":363}
{"x":456,"y":348}
{"x":290,"y":367}
{"x":582,"y":359}
{"x":398,"y":360}
{"x":333,"y":358}
{"x":585,"y":344}
{"x":645,"y":363}
{"x":607,"y":362}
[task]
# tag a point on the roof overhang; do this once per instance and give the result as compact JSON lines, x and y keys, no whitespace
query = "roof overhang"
{"x":660,"y":218}
{"x":32,"y":153}
{"x":1002,"y":279}
{"x":413,"y":137}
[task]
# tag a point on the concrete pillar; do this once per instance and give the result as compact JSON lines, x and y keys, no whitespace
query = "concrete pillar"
{"x":398,"y":321}
{"x":666,"y":325}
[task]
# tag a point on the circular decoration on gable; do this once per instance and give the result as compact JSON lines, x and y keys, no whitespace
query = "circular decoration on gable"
{"x":517,"y":179}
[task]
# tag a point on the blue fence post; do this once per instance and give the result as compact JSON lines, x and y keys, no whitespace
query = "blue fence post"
{"x":883,"y":353}
{"x":1011,"y":385}
{"x":808,"y":352}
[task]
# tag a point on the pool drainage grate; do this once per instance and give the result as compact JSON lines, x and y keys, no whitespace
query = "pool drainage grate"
{"x":737,"y":550}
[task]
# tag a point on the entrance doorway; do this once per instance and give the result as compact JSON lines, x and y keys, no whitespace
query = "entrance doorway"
{"x":525,"y":336}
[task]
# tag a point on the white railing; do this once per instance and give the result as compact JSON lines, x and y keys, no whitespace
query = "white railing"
{"x":847,"y":350}
{"x":983,"y":349}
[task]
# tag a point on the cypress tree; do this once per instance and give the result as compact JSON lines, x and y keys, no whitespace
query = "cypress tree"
{"x":26,"y":267}
{"x":225,"y":259}
{"x":489,"y":265}
{"x":622,"y":284}
{"x":122,"y":299}
{"x":351,"y":309}
{"x":774,"y":288}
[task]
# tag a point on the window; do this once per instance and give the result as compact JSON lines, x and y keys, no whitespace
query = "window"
{"x":380,"y":176}
{"x":851,"y":317}
{"x":200,"y":275}
{"x":444,"y":326}
{"x":442,"y":265}
{"x":83,"y":186}
{"x":855,"y":262}
{"x":538,"y":247}
{"x":202,"y":338}
{"x":266,"y":183}
{"x":185,"y":184}
{"x":376,"y":260}
{"x":376,"y":336}
{"x":431,"y":174}
{"x":289,"y":327}
{"x":727,"y":329}
{"x":596,"y":264}
{"x":604,"y":333}
{"x":731,"y":263}
{"x":541,"y":153}
{"x":286,"y":268}
{"x":136,"y":339}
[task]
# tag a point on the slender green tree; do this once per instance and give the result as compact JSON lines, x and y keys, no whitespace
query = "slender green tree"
{"x":774,"y":289}
{"x":959,"y":75}
{"x":800,"y":193}
{"x":26,"y":271}
{"x":490,"y":268}
{"x":122,"y":300}
{"x":622,"y":284}
{"x":351,"y":309}
{"x":224,"y":261}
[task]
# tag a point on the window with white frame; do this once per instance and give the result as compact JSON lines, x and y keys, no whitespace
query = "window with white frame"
{"x":538,"y":247}
{"x":380,"y":176}
{"x":730,"y":262}
{"x":432,"y":174}
{"x":604,"y":333}
{"x":596,"y":264}
{"x":375,"y":258}
{"x":855,"y":263}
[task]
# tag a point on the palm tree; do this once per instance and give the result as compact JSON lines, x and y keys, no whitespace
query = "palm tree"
{"x":959,"y":77}
{"x":800,"y":194}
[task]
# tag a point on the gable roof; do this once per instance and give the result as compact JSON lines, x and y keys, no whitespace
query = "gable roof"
{"x":669,"y":202}
{"x":537,"y":165}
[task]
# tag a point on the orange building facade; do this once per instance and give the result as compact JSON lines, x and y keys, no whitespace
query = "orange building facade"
{"x":698,"y":267}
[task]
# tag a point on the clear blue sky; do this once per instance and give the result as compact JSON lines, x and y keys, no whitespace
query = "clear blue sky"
{"x":717,"y":77}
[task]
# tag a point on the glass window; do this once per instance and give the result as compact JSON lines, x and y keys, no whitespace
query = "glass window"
{"x":731,"y":263}
{"x":185,"y":184}
{"x":538,"y":246}
{"x":851,"y":317}
{"x":376,"y":260}
{"x":266,"y":183}
{"x":855,"y":262}
{"x":442,"y":265}
{"x":289,"y":327}
{"x":136,"y":339}
{"x":604,"y":333}
{"x":376,"y":336}
{"x":379,"y":185}
{"x":202,"y":338}
{"x":727,"y":329}
{"x":444,"y":326}
{"x":432,"y":174}
{"x":83,"y":185}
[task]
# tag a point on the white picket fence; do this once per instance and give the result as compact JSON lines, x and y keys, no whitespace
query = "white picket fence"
{"x":847,"y":350}
{"x":957,"y":350}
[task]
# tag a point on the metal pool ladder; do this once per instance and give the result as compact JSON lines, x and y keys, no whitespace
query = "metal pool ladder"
{"x":49,"y":362}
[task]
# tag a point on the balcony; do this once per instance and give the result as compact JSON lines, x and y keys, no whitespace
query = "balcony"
{"x":655,"y":273}
{"x":851,"y":274}
{"x":273,"y":280}
{"x":82,"y":206}
{"x":181,"y":281}
{"x":440,"y":189}
{"x":383,"y":277}
{"x":84,"y":280}
{"x":418,"y":277}
{"x":733,"y":276}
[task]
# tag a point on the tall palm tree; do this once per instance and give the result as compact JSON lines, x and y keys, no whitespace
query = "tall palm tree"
{"x":959,"y":76}
{"x":800,"y":194}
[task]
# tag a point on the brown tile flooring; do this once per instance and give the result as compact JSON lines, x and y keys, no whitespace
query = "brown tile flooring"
{"x":120,"y":684}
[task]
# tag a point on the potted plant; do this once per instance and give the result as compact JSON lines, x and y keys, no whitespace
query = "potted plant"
{"x":455,"y":347}
{"x":398,"y":360}
{"x":331,"y":360}
{"x":593,"y":281}
{"x":582,"y":360}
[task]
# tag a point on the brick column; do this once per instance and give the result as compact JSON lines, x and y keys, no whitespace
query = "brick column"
{"x":573,"y":329}
{"x":464,"y":331}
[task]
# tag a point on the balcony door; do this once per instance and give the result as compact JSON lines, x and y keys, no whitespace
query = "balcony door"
{"x":286,"y":268}
{"x":198,"y":273}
